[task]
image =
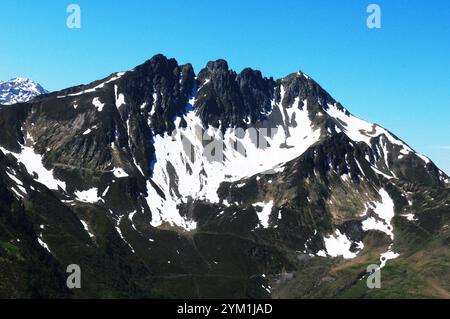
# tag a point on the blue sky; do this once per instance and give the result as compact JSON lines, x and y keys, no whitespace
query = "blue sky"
{"x":397,"y":76}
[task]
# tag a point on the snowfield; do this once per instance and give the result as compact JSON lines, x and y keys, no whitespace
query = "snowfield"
{"x":186,"y":168}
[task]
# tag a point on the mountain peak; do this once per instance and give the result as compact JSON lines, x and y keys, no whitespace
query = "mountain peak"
{"x":19,"y":90}
{"x":219,"y":64}
{"x":210,"y":172}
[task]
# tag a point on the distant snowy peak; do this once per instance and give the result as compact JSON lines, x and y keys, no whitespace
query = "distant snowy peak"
{"x":19,"y":90}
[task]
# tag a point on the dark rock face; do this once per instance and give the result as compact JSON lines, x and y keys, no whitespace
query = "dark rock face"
{"x":108,"y":142}
{"x":231,"y":99}
{"x":158,"y":91}
{"x":155,"y":94}
{"x":298,"y":85}
{"x":164,"y":87}
{"x":237,"y":100}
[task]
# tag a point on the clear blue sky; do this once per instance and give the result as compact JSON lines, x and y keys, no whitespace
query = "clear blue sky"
{"x":397,"y":76}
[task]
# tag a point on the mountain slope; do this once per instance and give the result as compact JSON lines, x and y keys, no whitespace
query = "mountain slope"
{"x":19,"y":90}
{"x":161,"y":183}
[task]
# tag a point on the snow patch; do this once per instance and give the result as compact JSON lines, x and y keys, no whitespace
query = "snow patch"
{"x":339,"y":245}
{"x":389,"y":255}
{"x":120,"y":98}
{"x":33,"y":163}
{"x":264,"y":214}
{"x":384,"y":211}
{"x":130,"y":217}
{"x":19,"y":185}
{"x":88,"y":196}
{"x":86,"y":228}
{"x":101,"y":85}
{"x":119,"y":172}
{"x":424,"y":158}
{"x":119,"y":231}
{"x":99,"y":105}
{"x":43,"y":244}
{"x":410,"y":217}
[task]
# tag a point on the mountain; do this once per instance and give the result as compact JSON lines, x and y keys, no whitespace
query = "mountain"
{"x":163,"y":183}
{"x":19,"y":90}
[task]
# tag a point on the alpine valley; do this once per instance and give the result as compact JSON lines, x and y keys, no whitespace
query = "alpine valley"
{"x":163,"y":183}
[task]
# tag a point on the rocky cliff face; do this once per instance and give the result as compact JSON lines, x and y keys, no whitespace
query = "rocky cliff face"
{"x":162,"y":183}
